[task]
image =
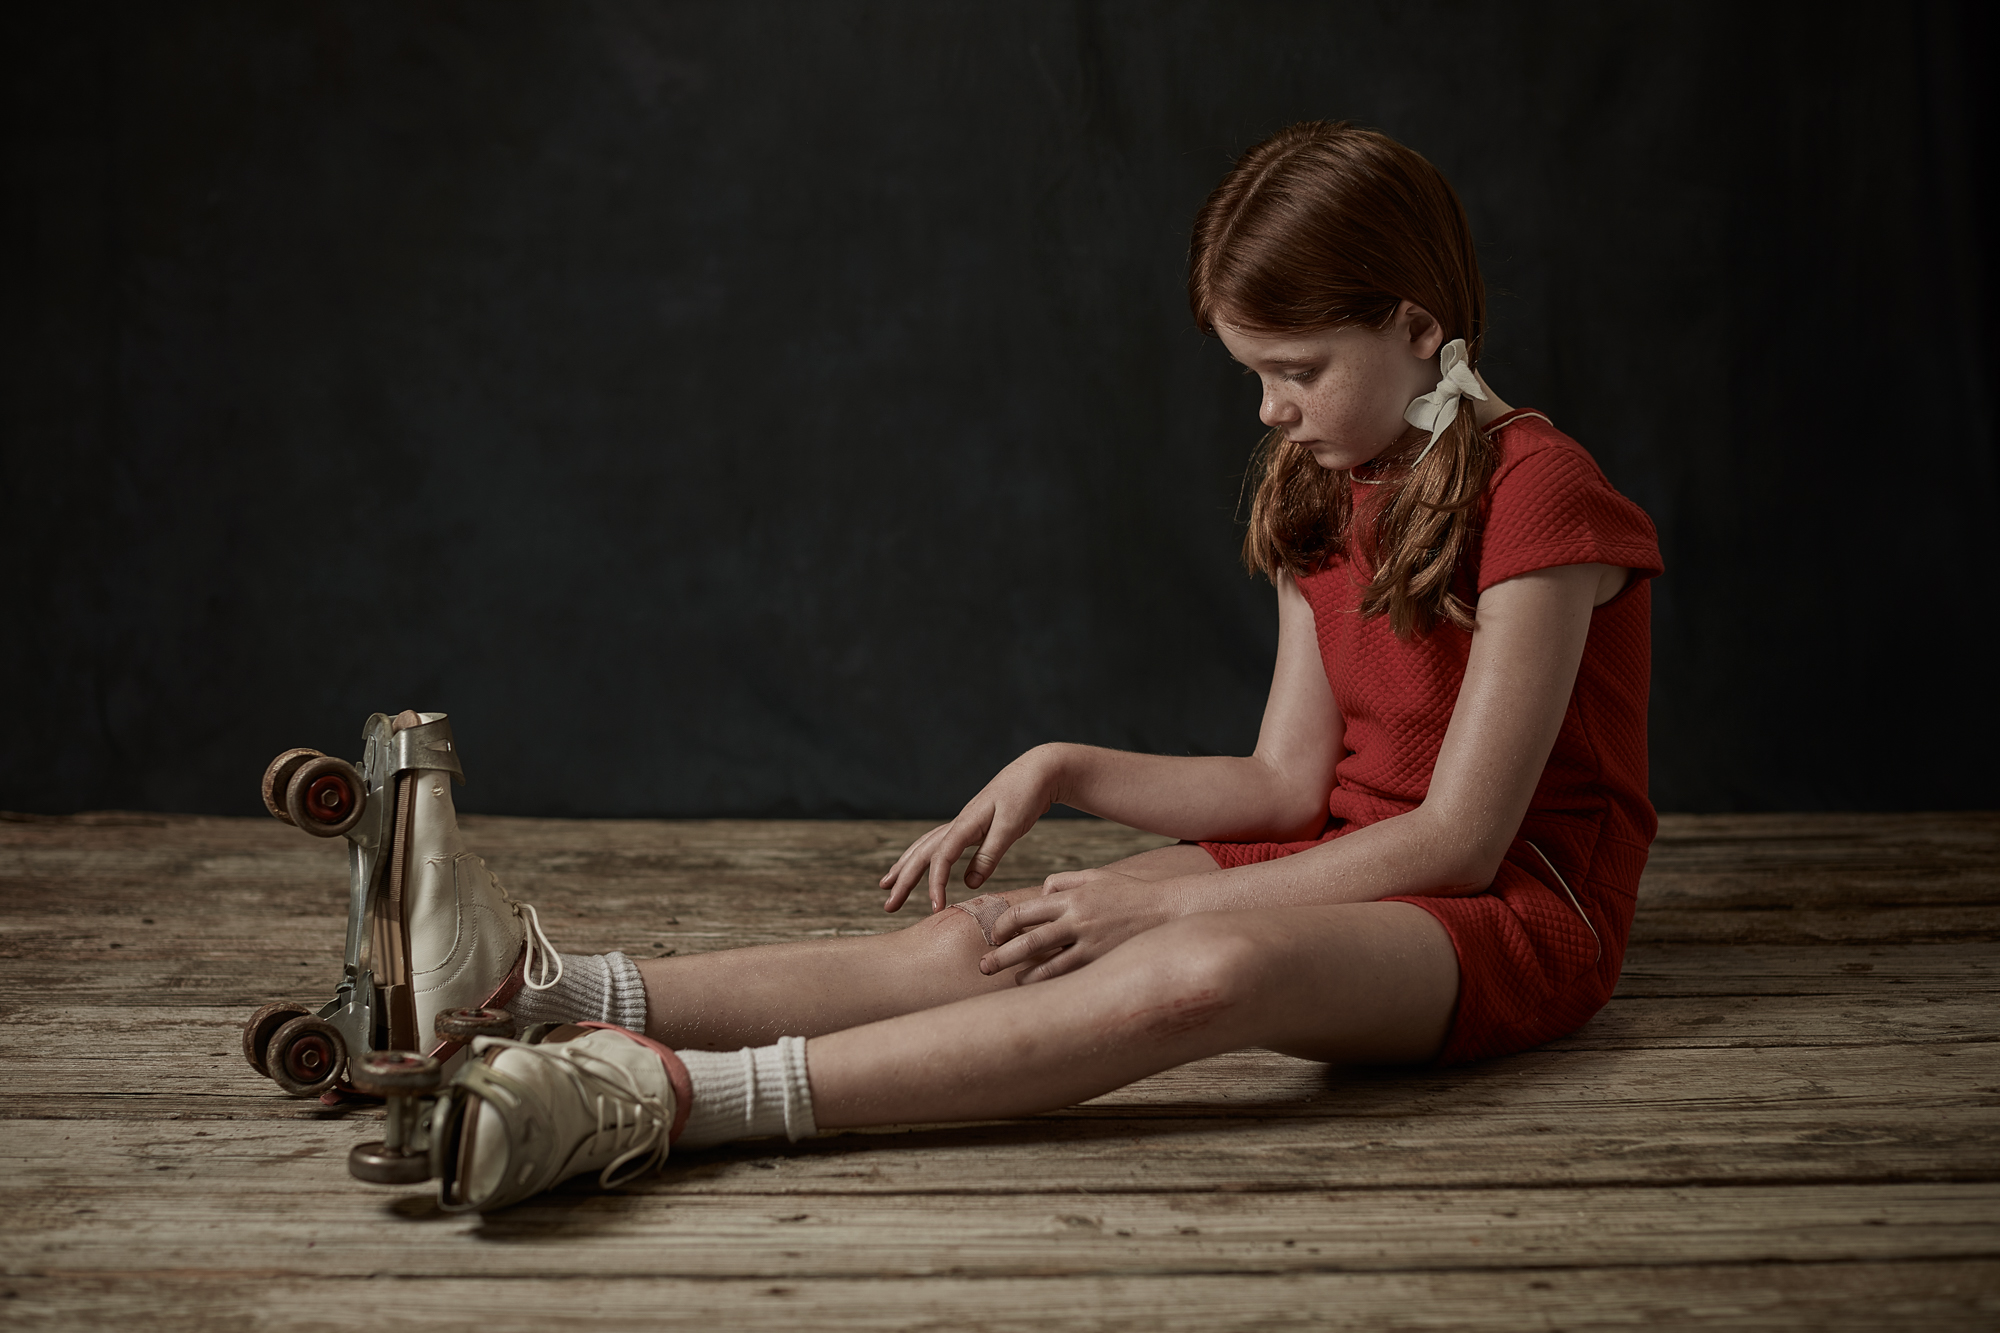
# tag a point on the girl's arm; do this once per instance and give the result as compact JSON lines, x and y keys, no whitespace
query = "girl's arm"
{"x":1278,"y":793}
{"x":1518,"y":679}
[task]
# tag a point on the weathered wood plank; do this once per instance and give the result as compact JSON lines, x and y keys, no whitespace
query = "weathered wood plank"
{"x":217,"y":1207}
{"x":77,"y":1056}
{"x":1841,"y":1298}
{"x":708,"y":884}
{"x":1852,"y":925}
{"x":1830,"y":970}
{"x":185,"y":1051}
{"x":1756,"y":863}
{"x":1256,"y":1121}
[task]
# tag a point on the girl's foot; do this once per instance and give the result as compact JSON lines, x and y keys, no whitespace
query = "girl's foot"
{"x":590,"y":1097}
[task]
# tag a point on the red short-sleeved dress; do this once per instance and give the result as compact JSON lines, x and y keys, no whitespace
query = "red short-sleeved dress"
{"x":1530,"y":967}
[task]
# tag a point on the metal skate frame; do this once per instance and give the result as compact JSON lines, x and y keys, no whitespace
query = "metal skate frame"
{"x":357,"y":1010}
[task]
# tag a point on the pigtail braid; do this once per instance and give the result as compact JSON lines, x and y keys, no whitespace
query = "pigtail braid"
{"x":1424,"y":529}
{"x":1298,"y":513}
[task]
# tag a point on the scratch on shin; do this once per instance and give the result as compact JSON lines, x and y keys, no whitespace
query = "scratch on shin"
{"x":1181,"y":1016}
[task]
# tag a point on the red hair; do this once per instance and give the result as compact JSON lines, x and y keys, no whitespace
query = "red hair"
{"x":1325,"y":226}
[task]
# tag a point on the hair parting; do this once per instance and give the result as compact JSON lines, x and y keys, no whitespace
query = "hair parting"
{"x":1326,"y":226}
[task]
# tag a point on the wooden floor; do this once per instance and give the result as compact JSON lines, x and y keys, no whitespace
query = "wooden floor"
{"x":1788,"y":1118}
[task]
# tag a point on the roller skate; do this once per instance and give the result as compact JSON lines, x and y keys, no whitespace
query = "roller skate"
{"x":429,"y":929}
{"x":522,"y":1115}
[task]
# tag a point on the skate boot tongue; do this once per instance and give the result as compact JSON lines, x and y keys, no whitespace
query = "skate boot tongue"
{"x":538,"y":1115}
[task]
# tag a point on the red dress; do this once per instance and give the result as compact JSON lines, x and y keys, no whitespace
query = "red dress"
{"x":1530,"y":969}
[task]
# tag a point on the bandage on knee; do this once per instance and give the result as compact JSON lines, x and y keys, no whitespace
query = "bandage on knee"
{"x":986,"y":910}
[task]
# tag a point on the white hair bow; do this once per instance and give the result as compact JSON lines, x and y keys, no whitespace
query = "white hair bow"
{"x":1439,"y":408}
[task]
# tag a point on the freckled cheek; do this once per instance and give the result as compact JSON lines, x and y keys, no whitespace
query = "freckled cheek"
{"x":1337,"y":416}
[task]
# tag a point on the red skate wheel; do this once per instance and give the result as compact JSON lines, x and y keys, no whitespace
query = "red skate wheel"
{"x":325,"y":796}
{"x":305,"y":1056}
{"x":395,"y":1074}
{"x":278,"y":776}
{"x":465,"y":1024}
{"x":374,"y":1163}
{"x":257,"y":1031}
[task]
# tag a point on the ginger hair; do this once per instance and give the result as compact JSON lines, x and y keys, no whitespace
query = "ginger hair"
{"x":1325,"y":226}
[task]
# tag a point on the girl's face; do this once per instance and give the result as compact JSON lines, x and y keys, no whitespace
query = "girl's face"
{"x":1341,"y":393}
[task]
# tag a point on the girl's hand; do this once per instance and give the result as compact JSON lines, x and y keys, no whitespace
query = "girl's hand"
{"x":1082,"y":915}
{"x":992,"y":821}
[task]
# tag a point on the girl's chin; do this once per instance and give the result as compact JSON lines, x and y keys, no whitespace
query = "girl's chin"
{"x":1335,"y":459}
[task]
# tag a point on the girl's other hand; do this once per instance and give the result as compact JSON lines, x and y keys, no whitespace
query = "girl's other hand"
{"x":1082,"y":915}
{"x":990,"y":823}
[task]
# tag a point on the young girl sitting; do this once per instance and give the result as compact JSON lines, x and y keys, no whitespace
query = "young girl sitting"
{"x":1432,"y":854}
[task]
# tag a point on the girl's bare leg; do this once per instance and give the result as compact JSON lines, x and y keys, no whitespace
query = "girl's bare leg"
{"x":1371,"y":982}
{"x":750,"y":997}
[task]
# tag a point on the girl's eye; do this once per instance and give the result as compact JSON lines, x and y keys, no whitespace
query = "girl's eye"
{"x":1299,"y":377}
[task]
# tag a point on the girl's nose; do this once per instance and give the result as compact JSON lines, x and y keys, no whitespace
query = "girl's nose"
{"x":1276,"y":409}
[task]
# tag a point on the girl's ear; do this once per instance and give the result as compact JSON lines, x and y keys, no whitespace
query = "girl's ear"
{"x":1426,"y":335}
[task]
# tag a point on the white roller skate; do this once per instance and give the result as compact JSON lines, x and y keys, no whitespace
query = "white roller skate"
{"x":523,"y":1116}
{"x":430,"y":931}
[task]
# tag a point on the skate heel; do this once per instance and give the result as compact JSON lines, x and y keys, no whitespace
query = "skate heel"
{"x":429,"y":929}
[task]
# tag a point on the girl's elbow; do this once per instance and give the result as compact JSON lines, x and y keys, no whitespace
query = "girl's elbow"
{"x":1462,"y":879}
{"x":1465,"y":866}
{"x":1302,"y":819}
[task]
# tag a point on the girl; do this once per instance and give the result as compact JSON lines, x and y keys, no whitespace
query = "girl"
{"x":1431,"y":855}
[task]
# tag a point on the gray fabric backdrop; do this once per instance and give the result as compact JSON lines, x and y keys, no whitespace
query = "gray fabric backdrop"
{"x":771,"y":409}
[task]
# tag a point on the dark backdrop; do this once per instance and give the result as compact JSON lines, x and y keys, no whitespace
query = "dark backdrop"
{"x":791,"y":408}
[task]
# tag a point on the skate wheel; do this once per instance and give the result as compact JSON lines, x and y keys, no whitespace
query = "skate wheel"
{"x":374,"y":1163}
{"x":465,"y":1024}
{"x":305,"y":1055}
{"x":278,"y":776}
{"x":395,"y":1074}
{"x":325,"y":796}
{"x":258,"y":1029}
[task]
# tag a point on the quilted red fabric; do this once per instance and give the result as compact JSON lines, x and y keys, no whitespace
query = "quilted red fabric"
{"x":1530,"y":967}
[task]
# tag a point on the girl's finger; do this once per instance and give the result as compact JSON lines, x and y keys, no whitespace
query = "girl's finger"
{"x":889,"y":876}
{"x":1068,"y":960}
{"x":907,"y":870}
{"x":963,"y":833}
{"x":1042,"y":939}
{"x":1003,"y":832}
{"x":1021,"y":916}
{"x":917,"y":844}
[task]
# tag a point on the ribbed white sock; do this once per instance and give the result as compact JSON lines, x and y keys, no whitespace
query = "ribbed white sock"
{"x":753,"y":1093}
{"x":595,"y":988}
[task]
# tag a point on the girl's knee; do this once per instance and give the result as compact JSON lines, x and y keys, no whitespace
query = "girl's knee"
{"x":1204,"y":966}
{"x":963,"y":927}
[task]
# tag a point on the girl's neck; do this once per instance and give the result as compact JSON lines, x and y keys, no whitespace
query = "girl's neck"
{"x":1486,"y":412}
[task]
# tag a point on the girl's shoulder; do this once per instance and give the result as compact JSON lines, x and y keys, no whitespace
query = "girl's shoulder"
{"x":1550,"y":504}
{"x":1526,"y":436}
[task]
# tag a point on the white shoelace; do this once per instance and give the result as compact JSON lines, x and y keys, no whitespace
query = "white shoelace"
{"x":541,"y":953}
{"x":647,"y":1140}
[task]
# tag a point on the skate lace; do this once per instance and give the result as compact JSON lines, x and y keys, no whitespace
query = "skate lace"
{"x":543,"y":967}
{"x":643,"y":1138}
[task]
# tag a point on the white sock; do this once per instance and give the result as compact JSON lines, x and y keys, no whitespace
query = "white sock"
{"x":748,"y":1094}
{"x":595,"y":988}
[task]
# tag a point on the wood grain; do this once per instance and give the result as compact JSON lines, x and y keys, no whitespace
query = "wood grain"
{"x":1788,"y":1117}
